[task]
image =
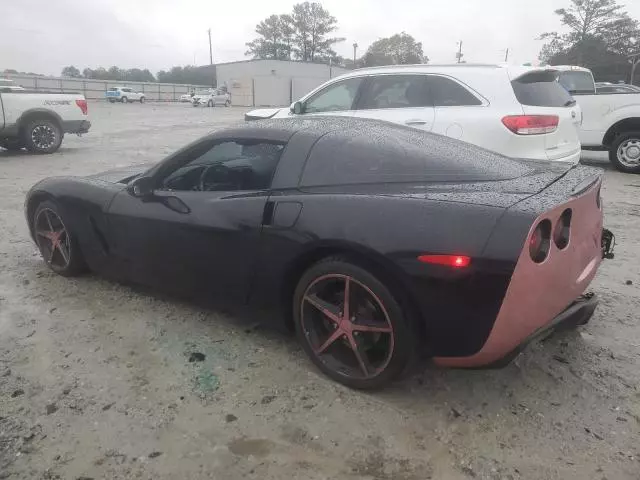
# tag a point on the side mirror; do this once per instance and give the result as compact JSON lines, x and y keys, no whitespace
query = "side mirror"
{"x":141,"y":187}
{"x":296,"y":108}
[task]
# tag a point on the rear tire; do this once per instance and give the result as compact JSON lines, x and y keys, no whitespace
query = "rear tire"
{"x":624,"y":153}
{"x":124,"y":99}
{"x":112,"y":100}
{"x":376,"y":327}
{"x":42,"y":136}
{"x":12,"y":144}
{"x":58,"y":246}
{"x":141,"y":99}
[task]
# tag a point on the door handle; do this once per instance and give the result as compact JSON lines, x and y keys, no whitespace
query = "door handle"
{"x":416,"y":121}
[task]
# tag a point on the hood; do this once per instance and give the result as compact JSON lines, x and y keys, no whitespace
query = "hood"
{"x":262,"y":113}
{"x":121,"y":175}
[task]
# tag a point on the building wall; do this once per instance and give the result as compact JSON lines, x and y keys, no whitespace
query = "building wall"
{"x":272,"y":82}
{"x":95,"y":89}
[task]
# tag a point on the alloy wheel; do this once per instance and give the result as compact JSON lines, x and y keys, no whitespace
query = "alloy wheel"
{"x":53,"y":239}
{"x":43,"y":137}
{"x":629,"y":153}
{"x":347,"y":326}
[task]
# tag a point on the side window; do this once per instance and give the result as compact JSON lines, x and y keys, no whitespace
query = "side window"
{"x":396,"y":91}
{"x":335,"y":98}
{"x":447,"y":93}
{"x":226,"y":166}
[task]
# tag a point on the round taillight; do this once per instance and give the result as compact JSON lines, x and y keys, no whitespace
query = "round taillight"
{"x":562,"y":231}
{"x":540,"y":241}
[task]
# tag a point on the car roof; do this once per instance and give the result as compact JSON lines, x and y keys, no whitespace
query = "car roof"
{"x":366,"y":133}
{"x":570,"y":68}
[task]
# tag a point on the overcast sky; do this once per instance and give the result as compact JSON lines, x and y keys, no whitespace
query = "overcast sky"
{"x":44,"y":35}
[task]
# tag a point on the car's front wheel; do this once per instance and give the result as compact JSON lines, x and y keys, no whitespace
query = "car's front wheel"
{"x":624,"y":153}
{"x":12,"y":144}
{"x":42,"y":136}
{"x":350,"y":325}
{"x":57,"y":244}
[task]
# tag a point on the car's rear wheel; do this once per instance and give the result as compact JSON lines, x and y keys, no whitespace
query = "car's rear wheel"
{"x":141,"y":99}
{"x":12,"y":144}
{"x":625,"y":152}
{"x":124,"y":99}
{"x":350,"y":325}
{"x":112,"y":100}
{"x":42,"y":136}
{"x":58,"y":246}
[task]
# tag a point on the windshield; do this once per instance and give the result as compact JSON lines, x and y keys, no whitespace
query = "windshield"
{"x":577,"y":82}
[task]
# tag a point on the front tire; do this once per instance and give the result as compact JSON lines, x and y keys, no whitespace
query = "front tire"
{"x":624,"y":153}
{"x":42,"y":136}
{"x":12,"y":144}
{"x":351,"y":326}
{"x":58,"y":246}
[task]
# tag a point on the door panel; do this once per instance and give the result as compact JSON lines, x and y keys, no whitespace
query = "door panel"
{"x":193,"y":242}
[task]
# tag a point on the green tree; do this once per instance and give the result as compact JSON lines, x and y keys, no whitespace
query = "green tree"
{"x":400,"y":49}
{"x":587,"y":22}
{"x":71,"y":71}
{"x":269,"y":42}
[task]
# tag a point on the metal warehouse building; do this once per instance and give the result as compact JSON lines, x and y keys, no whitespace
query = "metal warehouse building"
{"x":272,"y":82}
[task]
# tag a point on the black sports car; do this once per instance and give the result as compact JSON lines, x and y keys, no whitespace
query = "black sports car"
{"x":376,"y":242}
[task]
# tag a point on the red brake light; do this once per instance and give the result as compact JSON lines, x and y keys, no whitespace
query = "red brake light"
{"x":83,"y":106}
{"x":455,"y":261}
{"x":531,"y":124}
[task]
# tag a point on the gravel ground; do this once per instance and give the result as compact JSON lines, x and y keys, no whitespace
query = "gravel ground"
{"x":96,"y":379}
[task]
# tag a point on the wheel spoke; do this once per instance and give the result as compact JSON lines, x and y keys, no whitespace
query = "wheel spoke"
{"x":361,"y":356}
{"x":46,"y":214}
{"x":63,"y":250}
{"x":42,"y":233}
{"x":324,"y":307}
{"x":347,"y":293}
{"x":358,"y":327}
{"x":332,"y":338}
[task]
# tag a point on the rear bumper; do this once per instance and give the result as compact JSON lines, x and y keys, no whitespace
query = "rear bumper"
{"x":578,"y":313}
{"x":76,"y":126}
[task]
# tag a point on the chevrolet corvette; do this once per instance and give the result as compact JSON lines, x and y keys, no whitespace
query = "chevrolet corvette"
{"x":376,"y":243}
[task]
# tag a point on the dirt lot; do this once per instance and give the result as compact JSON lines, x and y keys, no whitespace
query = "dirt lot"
{"x":96,"y":382}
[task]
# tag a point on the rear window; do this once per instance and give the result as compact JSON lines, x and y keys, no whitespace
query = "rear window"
{"x":577,"y":83}
{"x":378,"y":153}
{"x":113,"y":89}
{"x":540,"y":89}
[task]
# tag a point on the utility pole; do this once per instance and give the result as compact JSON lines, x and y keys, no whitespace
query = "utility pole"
{"x":506,"y":56}
{"x":459,"y":55}
{"x":355,"y":49}
{"x":210,"y":49}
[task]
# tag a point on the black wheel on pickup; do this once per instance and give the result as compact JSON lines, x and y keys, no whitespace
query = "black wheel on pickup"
{"x":11,"y":144}
{"x":42,"y":135}
{"x":624,"y":153}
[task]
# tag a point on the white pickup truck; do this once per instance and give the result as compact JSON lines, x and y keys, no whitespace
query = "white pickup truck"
{"x":610,"y":121}
{"x":38,"y":121}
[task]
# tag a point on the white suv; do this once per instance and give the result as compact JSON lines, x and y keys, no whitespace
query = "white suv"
{"x":517,"y":111}
{"x":124,"y":95}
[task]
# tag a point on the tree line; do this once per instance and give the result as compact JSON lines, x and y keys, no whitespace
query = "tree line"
{"x":597,"y":34}
{"x":305,"y":35}
{"x":189,"y":74}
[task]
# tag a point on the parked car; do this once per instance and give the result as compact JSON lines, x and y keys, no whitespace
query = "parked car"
{"x":375,"y":242}
{"x":186,"y":97}
{"x":611,"y":121}
{"x":38,"y":120}
{"x":7,"y":85}
{"x":516,"y":111}
{"x":124,"y":95}
{"x":211,"y":98}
